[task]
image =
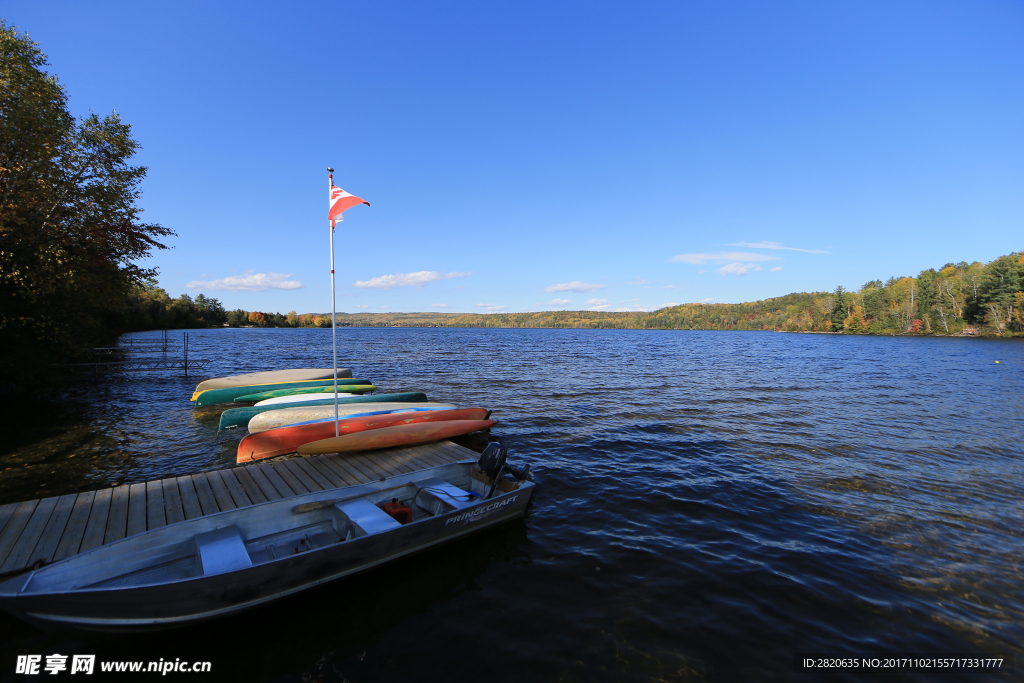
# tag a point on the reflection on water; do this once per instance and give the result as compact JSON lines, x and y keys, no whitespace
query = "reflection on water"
{"x":709,"y":504}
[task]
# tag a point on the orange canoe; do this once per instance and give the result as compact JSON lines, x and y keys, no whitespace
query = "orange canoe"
{"x":282,"y":440}
{"x":402,"y":435}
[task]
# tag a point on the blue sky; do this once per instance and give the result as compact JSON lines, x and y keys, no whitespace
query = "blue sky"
{"x":547,"y":155}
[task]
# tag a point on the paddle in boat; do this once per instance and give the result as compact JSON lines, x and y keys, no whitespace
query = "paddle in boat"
{"x":229,"y":561}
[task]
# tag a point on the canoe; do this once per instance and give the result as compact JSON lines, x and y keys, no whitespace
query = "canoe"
{"x":301,"y":399}
{"x":271,"y":377}
{"x":230,"y":561}
{"x":211,"y":397}
{"x":293,"y":416}
{"x":399,"y":435}
{"x":287,"y":439}
{"x":237,"y":417}
{"x":264,"y":395}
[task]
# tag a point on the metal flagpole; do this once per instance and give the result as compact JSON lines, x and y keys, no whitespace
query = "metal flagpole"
{"x":334,"y":322}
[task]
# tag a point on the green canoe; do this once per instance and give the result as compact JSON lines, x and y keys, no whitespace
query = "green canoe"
{"x":239,"y":417}
{"x":228,"y":394}
{"x":278,"y":393}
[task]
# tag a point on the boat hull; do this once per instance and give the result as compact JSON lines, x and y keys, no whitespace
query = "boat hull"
{"x":284,"y":417}
{"x":270,"y":377}
{"x":211,"y":397}
{"x":238,"y":417}
{"x":409,"y":434}
{"x":206,"y":597}
{"x":285,"y":440}
{"x":344,"y":385}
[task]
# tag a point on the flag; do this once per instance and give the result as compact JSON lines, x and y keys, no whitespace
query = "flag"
{"x":341,"y":201}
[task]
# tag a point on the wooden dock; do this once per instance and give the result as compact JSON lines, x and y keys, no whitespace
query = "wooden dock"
{"x":37,"y":532}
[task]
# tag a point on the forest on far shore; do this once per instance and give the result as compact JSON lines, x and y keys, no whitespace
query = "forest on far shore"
{"x":956,"y":299}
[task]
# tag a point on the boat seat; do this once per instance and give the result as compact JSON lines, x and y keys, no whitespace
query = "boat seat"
{"x":367,"y":516}
{"x":222,"y":550}
{"x":441,"y":491}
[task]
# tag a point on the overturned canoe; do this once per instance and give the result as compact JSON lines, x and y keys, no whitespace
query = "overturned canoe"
{"x":229,"y":394}
{"x":343,"y":385}
{"x":287,"y":439}
{"x":302,"y":399}
{"x":294,"y":416}
{"x":399,"y":435}
{"x":239,"y":417}
{"x":270,"y":377}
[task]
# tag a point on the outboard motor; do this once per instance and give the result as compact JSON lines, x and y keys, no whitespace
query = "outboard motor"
{"x":492,"y":463}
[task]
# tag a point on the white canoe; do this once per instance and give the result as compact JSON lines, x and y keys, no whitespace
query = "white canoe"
{"x":290,"y":416}
{"x":300,"y":398}
{"x":271,"y":377}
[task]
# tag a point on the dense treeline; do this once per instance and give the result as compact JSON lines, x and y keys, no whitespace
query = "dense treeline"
{"x":70,"y":229}
{"x":959,"y":298}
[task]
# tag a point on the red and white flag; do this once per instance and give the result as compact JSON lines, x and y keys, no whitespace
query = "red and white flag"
{"x":341,"y":201}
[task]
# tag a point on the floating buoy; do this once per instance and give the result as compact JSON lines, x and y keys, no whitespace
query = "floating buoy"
{"x":997,"y":361}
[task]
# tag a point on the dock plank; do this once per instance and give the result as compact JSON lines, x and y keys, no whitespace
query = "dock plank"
{"x":17,"y":523}
{"x":190,"y":505}
{"x":322,"y":481}
{"x":346,"y":475}
{"x":172,"y":500}
{"x":339,"y":461}
{"x":288,"y":477}
{"x":399,"y":461}
{"x":267,"y":488}
{"x":156,"y":513}
{"x":301,"y":476}
{"x":247,"y":484}
{"x":316,"y":463}
{"x":50,"y":536}
{"x":275,"y":478}
{"x":370,"y":464}
{"x":427,"y":454}
{"x":136,"y":509}
{"x":117,"y":518}
{"x":207,"y":499}
{"x":71,"y":540}
{"x":97,"y":524}
{"x":6,"y":511}
{"x":22,"y":549}
{"x":365,"y":473}
{"x":326,"y":463}
{"x":220,"y":491}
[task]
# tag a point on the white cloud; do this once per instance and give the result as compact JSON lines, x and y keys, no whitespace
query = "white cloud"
{"x":597,"y":302}
{"x":739,"y":269}
{"x":775,"y":269}
{"x":490,"y":308}
{"x":439,"y":305}
{"x":257,"y":282}
{"x":417,"y":279}
{"x":707,"y":301}
{"x":362,"y":305}
{"x":775,"y":245}
{"x":557,"y":302}
{"x":601,"y":307}
{"x":674,"y":287}
{"x":574,"y":286}
{"x":721,"y":257}
{"x":640,"y":281}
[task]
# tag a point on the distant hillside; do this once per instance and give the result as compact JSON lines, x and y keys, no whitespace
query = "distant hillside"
{"x":959,"y":298}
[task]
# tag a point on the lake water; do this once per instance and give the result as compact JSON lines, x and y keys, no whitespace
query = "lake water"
{"x":709,"y":504}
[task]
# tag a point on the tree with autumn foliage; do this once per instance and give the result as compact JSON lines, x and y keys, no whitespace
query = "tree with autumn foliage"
{"x":70,"y":228}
